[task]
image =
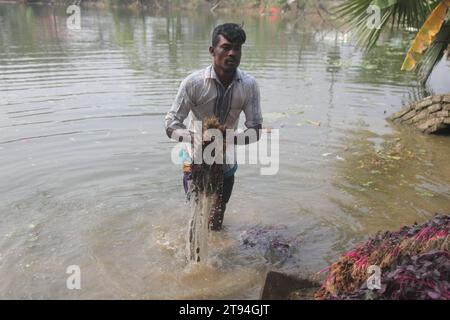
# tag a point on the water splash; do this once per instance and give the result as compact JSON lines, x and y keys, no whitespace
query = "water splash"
{"x":201,"y":206}
{"x":205,"y":195}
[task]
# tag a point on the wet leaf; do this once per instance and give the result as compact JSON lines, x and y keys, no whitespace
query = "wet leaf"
{"x":368,"y":184}
{"x":434,"y":295}
{"x":426,"y":194}
{"x":426,"y":35}
{"x":315,"y":123}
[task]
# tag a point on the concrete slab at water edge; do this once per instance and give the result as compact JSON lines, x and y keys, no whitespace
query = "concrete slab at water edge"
{"x":282,"y":286}
{"x":430,"y":115}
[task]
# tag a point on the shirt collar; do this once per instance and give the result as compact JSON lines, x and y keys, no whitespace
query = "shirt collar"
{"x":211,"y":74}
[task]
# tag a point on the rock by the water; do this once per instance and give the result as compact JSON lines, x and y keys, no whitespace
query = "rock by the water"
{"x":430,"y":115}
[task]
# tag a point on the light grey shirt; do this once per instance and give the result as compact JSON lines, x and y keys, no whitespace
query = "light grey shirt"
{"x":202,"y":95}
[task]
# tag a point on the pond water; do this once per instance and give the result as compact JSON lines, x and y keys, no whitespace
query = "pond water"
{"x":87,"y":177}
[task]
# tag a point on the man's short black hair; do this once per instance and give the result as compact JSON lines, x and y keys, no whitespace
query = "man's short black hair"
{"x":231,"y":31}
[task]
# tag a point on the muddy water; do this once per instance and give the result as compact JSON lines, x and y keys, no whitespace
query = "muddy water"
{"x":86,"y":174}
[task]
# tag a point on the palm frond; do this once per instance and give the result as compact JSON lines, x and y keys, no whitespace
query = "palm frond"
{"x":434,"y":54}
{"x":353,"y":15}
{"x":426,"y":15}
{"x":426,"y":35}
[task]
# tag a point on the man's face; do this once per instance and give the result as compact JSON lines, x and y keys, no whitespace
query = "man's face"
{"x":227,"y":55}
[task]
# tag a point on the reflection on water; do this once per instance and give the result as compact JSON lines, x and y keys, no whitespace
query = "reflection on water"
{"x":394,"y":179}
{"x":87,"y":178}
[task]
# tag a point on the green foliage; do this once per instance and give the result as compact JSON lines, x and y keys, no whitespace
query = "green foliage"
{"x":354,"y":14}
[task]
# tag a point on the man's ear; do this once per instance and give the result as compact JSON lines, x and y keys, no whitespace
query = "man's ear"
{"x":211,"y":51}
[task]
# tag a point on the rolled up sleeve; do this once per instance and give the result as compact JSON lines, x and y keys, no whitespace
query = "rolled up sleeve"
{"x":180,"y":108}
{"x":252,"y":108}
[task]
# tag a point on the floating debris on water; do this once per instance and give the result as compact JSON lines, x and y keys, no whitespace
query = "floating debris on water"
{"x":271,"y":242}
{"x":314,"y":123}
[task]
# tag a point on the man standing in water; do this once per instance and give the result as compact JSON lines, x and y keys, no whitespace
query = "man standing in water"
{"x":224,"y":91}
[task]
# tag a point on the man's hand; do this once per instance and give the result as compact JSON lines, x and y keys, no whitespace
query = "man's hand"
{"x":179,"y":134}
